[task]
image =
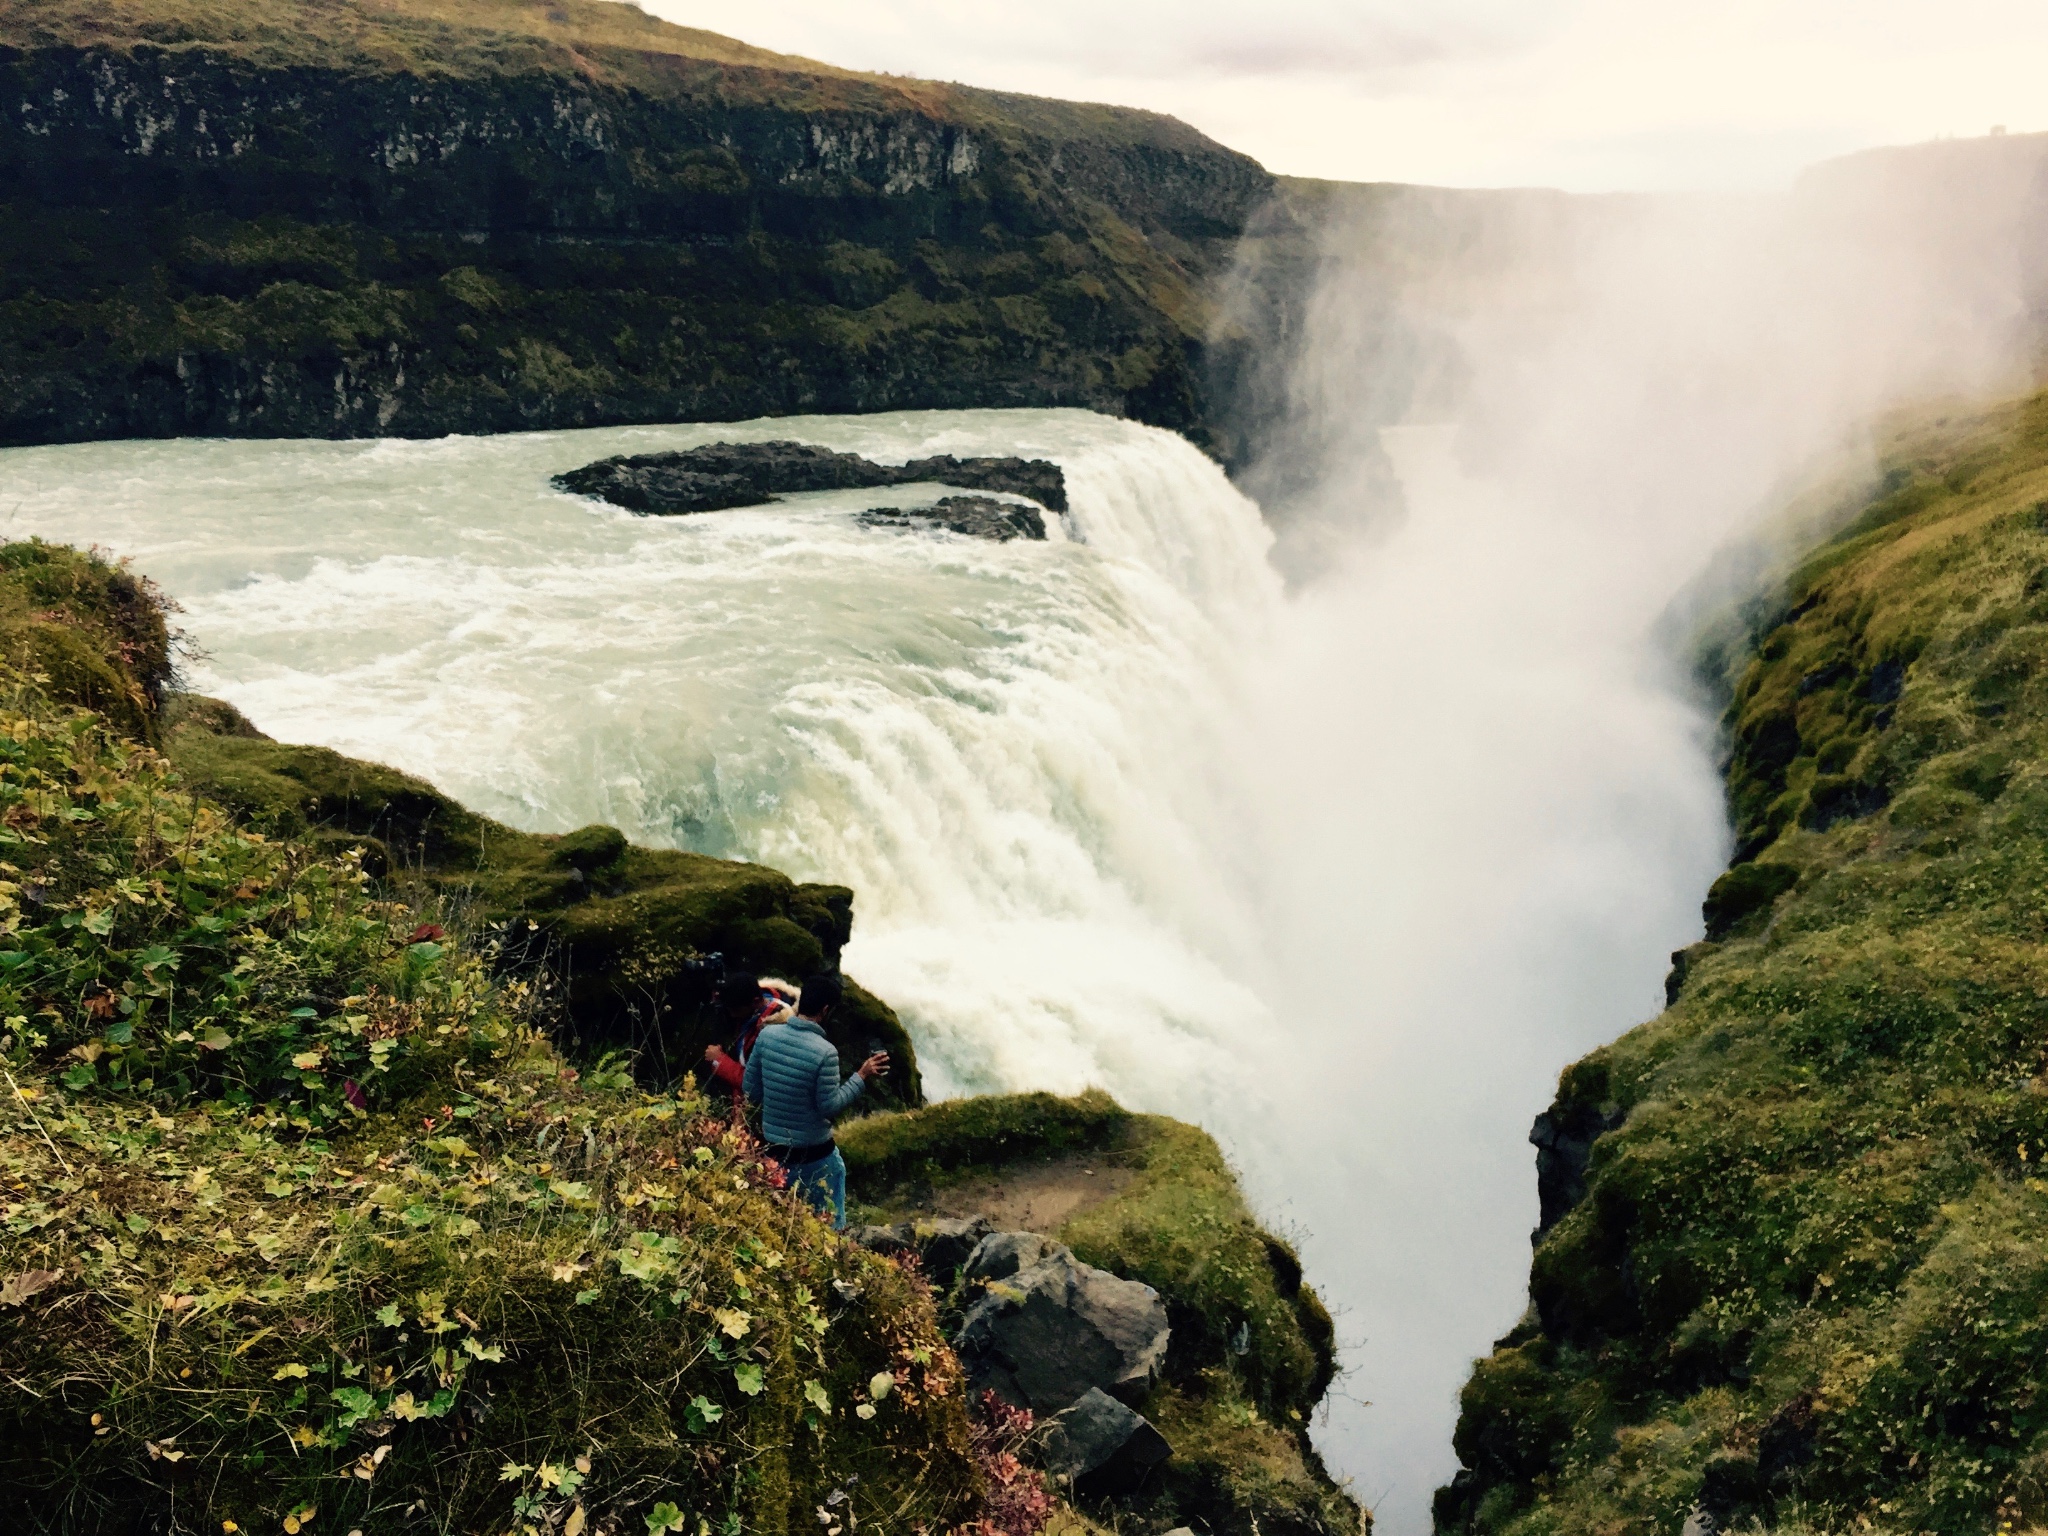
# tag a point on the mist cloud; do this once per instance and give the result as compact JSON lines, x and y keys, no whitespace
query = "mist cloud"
{"x":1499,"y":807}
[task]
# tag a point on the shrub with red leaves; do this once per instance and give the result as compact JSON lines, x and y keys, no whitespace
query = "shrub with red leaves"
{"x":1017,"y":1503}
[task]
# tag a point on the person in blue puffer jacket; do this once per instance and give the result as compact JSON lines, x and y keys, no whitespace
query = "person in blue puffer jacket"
{"x":793,"y":1074}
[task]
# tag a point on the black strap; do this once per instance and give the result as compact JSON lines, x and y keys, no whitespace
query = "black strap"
{"x":792,"y":1157}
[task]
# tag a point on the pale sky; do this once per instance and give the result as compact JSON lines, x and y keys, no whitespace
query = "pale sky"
{"x":1589,"y":95}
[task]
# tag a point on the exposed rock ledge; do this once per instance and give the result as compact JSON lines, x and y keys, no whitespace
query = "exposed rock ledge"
{"x":981,"y":517}
{"x":720,"y":476}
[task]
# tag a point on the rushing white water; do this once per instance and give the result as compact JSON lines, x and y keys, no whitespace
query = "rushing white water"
{"x":1344,"y":877}
{"x":1001,"y":747}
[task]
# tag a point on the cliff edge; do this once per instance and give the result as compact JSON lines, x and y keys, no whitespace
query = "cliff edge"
{"x":416,"y":217}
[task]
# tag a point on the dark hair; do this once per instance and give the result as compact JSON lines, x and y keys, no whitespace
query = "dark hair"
{"x":821,"y":991}
{"x":739,"y":989}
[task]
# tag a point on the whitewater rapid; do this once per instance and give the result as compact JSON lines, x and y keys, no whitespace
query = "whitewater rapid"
{"x":1344,"y":877}
{"x":991,"y":743}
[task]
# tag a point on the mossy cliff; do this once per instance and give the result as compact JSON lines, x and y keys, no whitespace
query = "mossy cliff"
{"x":1150,"y":1199}
{"x":327,"y":1202}
{"x":616,"y":926}
{"x":1793,"y":1268}
{"x":413,"y":217}
{"x":304,"y":1218}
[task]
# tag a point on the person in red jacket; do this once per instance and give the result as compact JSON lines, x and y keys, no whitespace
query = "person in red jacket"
{"x":749,"y":1004}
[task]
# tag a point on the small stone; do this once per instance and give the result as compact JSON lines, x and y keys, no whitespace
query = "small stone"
{"x":980,"y":517}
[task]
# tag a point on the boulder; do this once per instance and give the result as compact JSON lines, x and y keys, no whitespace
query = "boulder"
{"x":1045,"y":1335}
{"x":1040,"y":479}
{"x":941,"y":1243}
{"x":1001,"y":1254}
{"x":1100,"y":1447}
{"x":979,"y":517}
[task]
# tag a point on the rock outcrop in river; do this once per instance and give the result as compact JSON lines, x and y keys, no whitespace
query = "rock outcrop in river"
{"x":720,"y":476}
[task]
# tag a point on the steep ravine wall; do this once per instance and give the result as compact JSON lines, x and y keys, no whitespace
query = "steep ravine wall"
{"x":227,"y":235}
{"x":1790,"y":1274}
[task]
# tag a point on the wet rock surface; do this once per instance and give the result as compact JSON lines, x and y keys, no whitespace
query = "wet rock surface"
{"x":719,"y":476}
{"x":980,"y":517}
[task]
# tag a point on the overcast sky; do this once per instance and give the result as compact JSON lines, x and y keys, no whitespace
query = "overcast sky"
{"x":1590,"y":95}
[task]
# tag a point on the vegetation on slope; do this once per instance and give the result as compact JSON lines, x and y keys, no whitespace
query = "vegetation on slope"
{"x":247,"y":217}
{"x":623,"y":930}
{"x":310,"y":1221}
{"x":303,"y":1218}
{"x":1802,"y":1278}
{"x":1253,"y":1350}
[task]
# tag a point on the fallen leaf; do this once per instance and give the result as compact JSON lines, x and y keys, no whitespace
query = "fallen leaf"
{"x":17,"y":1289}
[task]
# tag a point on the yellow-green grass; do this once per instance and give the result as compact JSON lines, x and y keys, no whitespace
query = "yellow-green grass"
{"x":1809,"y":1282}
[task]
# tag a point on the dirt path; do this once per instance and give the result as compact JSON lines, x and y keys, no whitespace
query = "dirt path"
{"x":1030,"y":1197}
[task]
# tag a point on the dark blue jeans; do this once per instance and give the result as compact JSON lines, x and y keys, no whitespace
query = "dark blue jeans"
{"x":823,"y":1186}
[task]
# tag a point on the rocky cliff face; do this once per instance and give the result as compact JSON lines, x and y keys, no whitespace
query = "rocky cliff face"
{"x":230,"y":231}
{"x":1790,"y":1275}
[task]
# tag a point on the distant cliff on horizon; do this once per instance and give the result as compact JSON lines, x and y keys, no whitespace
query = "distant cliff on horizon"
{"x":414,"y":217}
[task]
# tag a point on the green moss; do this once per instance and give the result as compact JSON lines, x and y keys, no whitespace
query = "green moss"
{"x":1743,"y":891}
{"x":1232,"y":1470}
{"x":1805,"y":1286}
{"x":960,"y":1137}
{"x":620,"y":926}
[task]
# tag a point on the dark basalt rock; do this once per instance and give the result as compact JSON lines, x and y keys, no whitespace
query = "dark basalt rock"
{"x":981,"y":517}
{"x":719,"y":476}
{"x":1563,"y":1136}
{"x":1046,"y":1335}
{"x":1040,"y":479}
{"x":942,"y":1243}
{"x":1101,"y":1448}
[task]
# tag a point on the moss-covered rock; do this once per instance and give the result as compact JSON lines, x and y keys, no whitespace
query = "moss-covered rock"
{"x":1802,"y":1282}
{"x":1253,"y":1349}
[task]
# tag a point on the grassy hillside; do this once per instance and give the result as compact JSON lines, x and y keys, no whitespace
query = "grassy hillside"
{"x":304,"y":1218}
{"x":1802,"y":1278}
{"x":254,"y":217}
{"x":328,"y":1200}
